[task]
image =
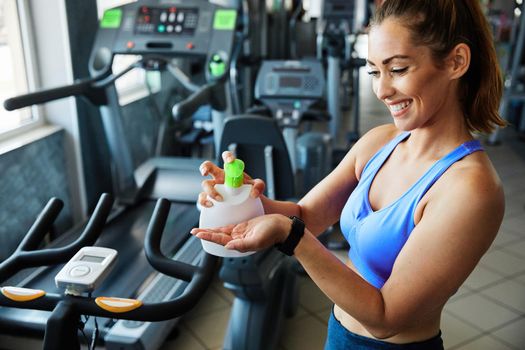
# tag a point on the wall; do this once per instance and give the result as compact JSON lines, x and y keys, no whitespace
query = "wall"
{"x":30,"y":176}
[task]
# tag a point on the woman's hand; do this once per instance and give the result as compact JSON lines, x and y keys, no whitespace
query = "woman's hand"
{"x":256,"y":234}
{"x":217,"y":174}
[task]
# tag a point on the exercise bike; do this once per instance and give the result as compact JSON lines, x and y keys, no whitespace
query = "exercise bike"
{"x":85,"y":272}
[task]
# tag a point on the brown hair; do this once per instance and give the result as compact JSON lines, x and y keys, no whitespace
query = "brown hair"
{"x":441,"y":25}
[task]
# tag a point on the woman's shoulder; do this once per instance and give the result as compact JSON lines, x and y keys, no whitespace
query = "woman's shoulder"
{"x":371,"y":142}
{"x":474,"y":178}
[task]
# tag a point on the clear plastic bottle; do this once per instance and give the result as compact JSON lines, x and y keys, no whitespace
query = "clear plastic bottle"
{"x":237,"y":206}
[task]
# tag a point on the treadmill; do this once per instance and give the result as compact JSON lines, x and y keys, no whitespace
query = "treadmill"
{"x":158,"y":31}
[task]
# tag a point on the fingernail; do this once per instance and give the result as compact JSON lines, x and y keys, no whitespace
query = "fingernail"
{"x":208,"y":204}
{"x":254,"y":194}
{"x":229,"y":159}
{"x":203,"y":171}
{"x":218,"y":198}
{"x":193,"y":230}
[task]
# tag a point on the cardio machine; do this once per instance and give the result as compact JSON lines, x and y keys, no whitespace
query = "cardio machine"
{"x":190,"y":269}
{"x":157,"y":32}
{"x":292,"y":93}
{"x":338,"y":27}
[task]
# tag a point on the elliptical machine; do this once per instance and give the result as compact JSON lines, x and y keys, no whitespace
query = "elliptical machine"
{"x":292,"y":92}
{"x":338,"y":27}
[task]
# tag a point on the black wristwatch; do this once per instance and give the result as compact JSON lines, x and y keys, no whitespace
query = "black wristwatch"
{"x":296,"y":233}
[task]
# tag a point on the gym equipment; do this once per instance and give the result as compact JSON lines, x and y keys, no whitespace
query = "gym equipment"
{"x":260,"y":139}
{"x":191,"y":276}
{"x":340,"y":22}
{"x":290,"y":92}
{"x":513,"y":70}
{"x":264,"y":283}
{"x":157,"y":32}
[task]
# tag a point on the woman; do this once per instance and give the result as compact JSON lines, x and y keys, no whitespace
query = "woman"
{"x":418,"y":201}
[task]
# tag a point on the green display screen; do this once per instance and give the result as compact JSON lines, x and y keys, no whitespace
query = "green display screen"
{"x":225,"y":20}
{"x":111,"y":18}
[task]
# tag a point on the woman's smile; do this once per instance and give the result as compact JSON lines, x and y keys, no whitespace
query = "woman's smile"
{"x":399,"y":108}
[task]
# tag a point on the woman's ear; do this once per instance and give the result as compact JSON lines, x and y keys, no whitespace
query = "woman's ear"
{"x":459,"y":60}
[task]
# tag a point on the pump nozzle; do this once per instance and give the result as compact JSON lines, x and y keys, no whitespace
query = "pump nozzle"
{"x":233,"y":173}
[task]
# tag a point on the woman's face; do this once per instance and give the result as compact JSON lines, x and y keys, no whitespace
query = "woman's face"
{"x":405,"y":77}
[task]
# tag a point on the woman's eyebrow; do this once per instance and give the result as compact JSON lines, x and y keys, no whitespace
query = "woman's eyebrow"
{"x":387,"y":60}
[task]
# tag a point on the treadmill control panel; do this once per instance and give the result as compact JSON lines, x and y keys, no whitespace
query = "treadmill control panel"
{"x":290,"y":79}
{"x":290,"y":88}
{"x":166,"y":20}
{"x":168,"y":29}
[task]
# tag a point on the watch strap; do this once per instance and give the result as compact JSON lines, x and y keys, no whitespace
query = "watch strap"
{"x":296,"y":233}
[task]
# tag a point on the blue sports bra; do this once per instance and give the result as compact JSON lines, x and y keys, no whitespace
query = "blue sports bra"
{"x":377,"y":237}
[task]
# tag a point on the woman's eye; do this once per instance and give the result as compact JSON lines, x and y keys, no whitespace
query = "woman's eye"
{"x":373,"y":73}
{"x":399,"y":70}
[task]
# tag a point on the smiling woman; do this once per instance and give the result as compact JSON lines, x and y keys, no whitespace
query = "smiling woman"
{"x":418,"y":200}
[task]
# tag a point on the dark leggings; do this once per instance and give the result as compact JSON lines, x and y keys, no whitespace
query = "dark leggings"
{"x":339,"y":338}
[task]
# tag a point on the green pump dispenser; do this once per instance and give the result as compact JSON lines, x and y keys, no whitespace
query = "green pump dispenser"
{"x":234,"y":173}
{"x":236,"y":206}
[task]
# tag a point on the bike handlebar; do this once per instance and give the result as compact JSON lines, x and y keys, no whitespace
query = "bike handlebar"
{"x":199,"y":276}
{"x":25,"y":256}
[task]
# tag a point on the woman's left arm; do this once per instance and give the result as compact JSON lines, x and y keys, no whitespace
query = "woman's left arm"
{"x":457,"y":226}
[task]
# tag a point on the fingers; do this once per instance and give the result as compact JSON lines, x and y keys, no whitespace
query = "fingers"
{"x":228,"y":157}
{"x":213,"y":236}
{"x":204,"y":201}
{"x":258,"y":186}
{"x":209,"y":188}
{"x":237,"y":244}
{"x":220,"y":235}
{"x":208,"y":168}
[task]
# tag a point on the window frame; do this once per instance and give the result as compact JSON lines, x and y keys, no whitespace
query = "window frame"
{"x":26,"y":34}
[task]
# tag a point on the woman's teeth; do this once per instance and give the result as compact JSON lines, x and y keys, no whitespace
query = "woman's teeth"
{"x":400,"y":106}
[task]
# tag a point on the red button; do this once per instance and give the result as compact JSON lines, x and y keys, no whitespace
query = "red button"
{"x":130,"y":44}
{"x":190,"y":46}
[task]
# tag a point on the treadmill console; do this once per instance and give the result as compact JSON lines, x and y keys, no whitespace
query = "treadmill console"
{"x":290,"y":79}
{"x":166,"y":20}
{"x":289,"y":88}
{"x":168,"y":28}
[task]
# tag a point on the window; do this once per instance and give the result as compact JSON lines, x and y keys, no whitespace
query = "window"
{"x":13,"y":73}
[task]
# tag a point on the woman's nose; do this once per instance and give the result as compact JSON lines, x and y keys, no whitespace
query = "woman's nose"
{"x":384,"y":87}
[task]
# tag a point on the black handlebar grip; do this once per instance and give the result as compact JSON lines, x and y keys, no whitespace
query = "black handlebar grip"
{"x":317,"y":115}
{"x":32,"y":239}
{"x":88,"y":237}
{"x":41,"y":226}
{"x":23,"y":258}
{"x":43,"y":96}
{"x":186,"y":108}
{"x":152,"y":249}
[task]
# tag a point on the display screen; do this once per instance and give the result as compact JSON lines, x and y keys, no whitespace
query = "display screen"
{"x":289,"y":81}
{"x":166,"y":20}
{"x":92,"y":258}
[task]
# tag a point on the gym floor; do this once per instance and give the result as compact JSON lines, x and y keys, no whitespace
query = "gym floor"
{"x":487,"y":312}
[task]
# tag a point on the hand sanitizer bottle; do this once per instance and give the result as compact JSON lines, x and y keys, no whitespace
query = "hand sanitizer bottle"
{"x":237,"y":206}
